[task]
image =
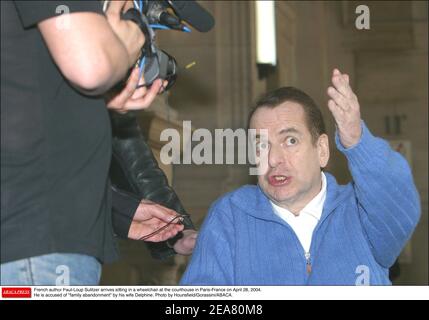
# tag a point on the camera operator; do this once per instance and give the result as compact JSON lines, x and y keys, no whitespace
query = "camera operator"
{"x":56,"y":137}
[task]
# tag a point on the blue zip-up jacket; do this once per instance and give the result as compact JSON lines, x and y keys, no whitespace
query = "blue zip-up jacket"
{"x":363,"y":228}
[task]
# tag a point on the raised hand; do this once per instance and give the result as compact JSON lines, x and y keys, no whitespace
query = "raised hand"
{"x":345,"y":108}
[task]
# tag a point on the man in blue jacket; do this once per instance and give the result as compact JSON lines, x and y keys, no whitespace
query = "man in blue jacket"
{"x":298,"y":226}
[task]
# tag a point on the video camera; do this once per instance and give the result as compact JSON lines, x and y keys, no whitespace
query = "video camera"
{"x":151,"y":15}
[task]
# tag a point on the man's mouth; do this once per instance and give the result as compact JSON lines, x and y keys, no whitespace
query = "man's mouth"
{"x":279,"y":180}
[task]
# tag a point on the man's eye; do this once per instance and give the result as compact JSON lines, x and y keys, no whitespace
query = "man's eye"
{"x":291,"y":141}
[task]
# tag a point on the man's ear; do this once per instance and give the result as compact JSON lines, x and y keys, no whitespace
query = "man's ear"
{"x":323,"y":150}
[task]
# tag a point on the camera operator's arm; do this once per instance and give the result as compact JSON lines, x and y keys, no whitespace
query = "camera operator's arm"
{"x":93,"y":52}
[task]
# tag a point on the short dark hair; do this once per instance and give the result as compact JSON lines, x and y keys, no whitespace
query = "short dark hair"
{"x":313,"y":115}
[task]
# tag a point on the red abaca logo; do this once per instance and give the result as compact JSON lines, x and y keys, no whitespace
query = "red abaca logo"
{"x":16,"y":292}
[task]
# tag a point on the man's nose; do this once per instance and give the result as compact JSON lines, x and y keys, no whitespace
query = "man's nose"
{"x":275,"y":156}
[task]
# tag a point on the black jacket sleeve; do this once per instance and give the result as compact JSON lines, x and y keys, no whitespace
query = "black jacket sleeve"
{"x":135,"y":175}
{"x":124,"y":207}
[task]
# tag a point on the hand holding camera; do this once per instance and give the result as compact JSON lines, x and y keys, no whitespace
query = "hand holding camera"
{"x":127,"y":31}
{"x":131,"y":97}
{"x":155,"y":69}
